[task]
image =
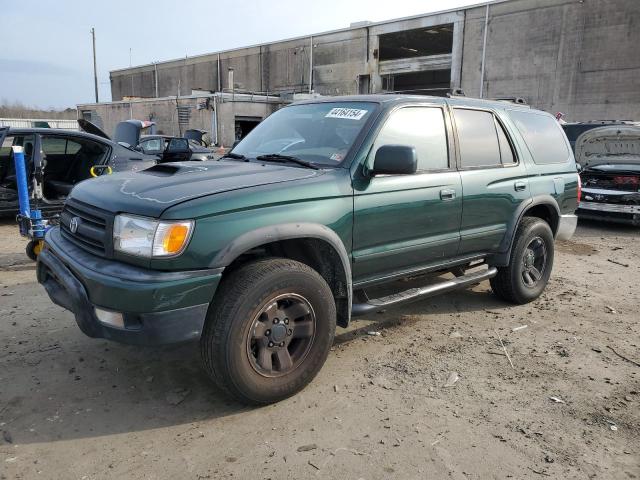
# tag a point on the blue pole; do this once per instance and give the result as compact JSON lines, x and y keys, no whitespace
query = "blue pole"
{"x":22,"y":181}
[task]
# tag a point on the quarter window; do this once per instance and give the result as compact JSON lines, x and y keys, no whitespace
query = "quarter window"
{"x":506,"y":153}
{"x":422,"y":128}
{"x":544,"y":136}
{"x":478,"y":138}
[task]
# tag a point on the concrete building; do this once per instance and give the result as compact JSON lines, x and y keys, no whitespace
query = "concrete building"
{"x":575,"y":56}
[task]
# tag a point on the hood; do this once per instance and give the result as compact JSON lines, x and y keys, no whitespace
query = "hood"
{"x":150,"y":192}
{"x":619,"y":144}
{"x":129,"y":131}
{"x":87,"y":126}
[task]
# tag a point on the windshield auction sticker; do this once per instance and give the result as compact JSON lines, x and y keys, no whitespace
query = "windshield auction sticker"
{"x":350,"y":113}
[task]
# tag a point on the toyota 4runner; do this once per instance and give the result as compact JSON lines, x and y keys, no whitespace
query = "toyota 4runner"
{"x":260,"y":255}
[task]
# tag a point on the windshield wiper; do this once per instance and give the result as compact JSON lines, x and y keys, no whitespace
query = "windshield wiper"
{"x":277,"y":157}
{"x":235,"y":156}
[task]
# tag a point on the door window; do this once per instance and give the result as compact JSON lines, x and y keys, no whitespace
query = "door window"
{"x":7,"y":167}
{"x":153,"y":145}
{"x":58,"y":146}
{"x":420,"y":127}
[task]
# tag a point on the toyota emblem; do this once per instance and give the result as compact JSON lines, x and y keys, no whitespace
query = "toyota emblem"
{"x":73,"y":224}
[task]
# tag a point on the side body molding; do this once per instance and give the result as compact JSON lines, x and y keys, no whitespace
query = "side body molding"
{"x":502,"y":259}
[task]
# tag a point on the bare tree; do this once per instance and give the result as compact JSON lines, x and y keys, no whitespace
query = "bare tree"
{"x":17,"y":109}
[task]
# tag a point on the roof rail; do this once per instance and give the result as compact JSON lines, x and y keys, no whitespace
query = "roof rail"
{"x":456,"y":92}
{"x":518,"y":100}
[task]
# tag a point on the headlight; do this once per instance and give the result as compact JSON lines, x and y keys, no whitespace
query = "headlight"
{"x":150,"y":238}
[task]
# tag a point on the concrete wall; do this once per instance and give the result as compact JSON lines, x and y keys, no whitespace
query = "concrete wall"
{"x":163,"y":111}
{"x":338,"y":59}
{"x":577,"y":57}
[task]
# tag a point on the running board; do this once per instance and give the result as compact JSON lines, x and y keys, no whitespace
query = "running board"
{"x":374,"y":304}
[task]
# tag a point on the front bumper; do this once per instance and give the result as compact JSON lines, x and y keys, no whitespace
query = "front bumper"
{"x":157,"y":307}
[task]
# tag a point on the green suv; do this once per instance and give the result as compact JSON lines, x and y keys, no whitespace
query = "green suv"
{"x":260,"y":255}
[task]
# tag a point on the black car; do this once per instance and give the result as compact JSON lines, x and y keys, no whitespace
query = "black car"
{"x":156,"y":144}
{"x":57,"y":160}
{"x":610,"y":161}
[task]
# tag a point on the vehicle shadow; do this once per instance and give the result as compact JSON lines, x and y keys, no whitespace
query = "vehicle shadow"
{"x":67,"y":386}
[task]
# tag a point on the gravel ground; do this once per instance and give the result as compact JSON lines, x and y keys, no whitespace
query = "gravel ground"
{"x":76,"y":408}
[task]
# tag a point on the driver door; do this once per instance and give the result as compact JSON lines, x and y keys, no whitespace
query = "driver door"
{"x":406,"y":222}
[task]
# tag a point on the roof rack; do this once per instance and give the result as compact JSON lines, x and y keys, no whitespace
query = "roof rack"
{"x":456,"y":92}
{"x":517,"y":100}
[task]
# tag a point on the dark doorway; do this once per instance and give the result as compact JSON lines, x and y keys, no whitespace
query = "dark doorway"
{"x":432,"y":82}
{"x":244,"y":125}
{"x":364,"y":82}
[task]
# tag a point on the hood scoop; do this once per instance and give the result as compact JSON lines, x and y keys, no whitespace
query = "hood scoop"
{"x":170,"y":169}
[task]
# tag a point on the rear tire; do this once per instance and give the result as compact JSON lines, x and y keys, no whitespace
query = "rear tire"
{"x":268,"y":331}
{"x":530,"y":264}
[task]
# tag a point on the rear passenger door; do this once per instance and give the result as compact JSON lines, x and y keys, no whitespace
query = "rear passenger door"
{"x":405,"y":222}
{"x":494,"y":179}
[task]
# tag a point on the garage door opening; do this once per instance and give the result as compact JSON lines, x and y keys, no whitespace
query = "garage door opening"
{"x":434,"y":82}
{"x":244,"y":125}
{"x":421,"y":42}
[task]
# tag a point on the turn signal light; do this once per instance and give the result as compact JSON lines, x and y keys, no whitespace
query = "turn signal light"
{"x":175,"y":238}
{"x":171,"y":238}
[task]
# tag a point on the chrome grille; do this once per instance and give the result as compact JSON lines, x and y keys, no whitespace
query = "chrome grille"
{"x":94,"y":227}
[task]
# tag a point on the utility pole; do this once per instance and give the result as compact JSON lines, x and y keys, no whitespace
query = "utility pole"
{"x":95,"y":68}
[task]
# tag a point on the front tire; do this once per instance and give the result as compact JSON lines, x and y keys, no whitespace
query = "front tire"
{"x":268,"y":331}
{"x":530,"y":264}
{"x":33,"y":249}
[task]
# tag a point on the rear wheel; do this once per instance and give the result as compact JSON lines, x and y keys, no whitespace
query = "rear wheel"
{"x":269,"y":330}
{"x":530,"y":265}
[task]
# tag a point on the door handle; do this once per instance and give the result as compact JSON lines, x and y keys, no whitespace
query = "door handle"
{"x":447,"y":194}
{"x":520,"y":186}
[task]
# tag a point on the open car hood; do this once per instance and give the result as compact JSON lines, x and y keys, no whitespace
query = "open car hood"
{"x":617,"y":144}
{"x":150,"y":192}
{"x":195,"y":134}
{"x":127,"y":132}
{"x":87,"y":126}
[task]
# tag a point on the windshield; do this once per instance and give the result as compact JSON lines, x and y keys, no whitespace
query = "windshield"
{"x":320,"y":133}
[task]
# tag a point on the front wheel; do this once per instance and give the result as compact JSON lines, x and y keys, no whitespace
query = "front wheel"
{"x":530,"y":264}
{"x":33,"y":249}
{"x":269,"y":330}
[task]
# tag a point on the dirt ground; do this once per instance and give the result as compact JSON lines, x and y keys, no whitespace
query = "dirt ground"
{"x":76,"y":408}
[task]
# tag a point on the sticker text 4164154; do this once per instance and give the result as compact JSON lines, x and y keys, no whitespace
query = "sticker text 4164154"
{"x":349,"y":113}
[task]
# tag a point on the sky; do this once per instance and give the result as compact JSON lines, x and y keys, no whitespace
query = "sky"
{"x":46,"y":60}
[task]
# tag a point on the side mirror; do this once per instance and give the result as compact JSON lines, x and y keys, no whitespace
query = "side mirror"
{"x":395,"y":160}
{"x":579,"y":167}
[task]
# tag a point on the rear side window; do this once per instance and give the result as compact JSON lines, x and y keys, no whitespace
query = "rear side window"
{"x":419,"y":127}
{"x":544,"y":136}
{"x":477,"y":138}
